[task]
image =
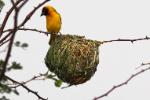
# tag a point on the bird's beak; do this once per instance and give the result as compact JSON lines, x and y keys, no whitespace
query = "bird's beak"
{"x":42,"y":14}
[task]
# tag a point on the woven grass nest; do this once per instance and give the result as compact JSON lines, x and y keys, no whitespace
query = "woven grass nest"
{"x":73,"y":59}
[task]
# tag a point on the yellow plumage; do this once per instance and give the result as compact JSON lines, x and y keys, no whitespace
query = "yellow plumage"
{"x":53,"y":21}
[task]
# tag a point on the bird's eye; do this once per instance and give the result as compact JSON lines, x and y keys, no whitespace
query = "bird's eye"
{"x":44,"y":11}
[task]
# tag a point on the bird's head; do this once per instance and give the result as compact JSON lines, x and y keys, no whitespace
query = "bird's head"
{"x":47,"y":10}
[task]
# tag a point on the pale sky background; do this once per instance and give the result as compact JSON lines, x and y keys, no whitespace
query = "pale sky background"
{"x":98,"y":20}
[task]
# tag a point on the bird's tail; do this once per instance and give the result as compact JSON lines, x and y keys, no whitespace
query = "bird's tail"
{"x":52,"y":38}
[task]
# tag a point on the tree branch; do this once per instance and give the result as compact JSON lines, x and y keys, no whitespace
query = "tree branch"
{"x":5,"y":42}
{"x":7,"y":16}
{"x":38,"y":77}
{"x":5,"y":37}
{"x":28,"y":16}
{"x":31,"y":13}
{"x":124,"y":83}
{"x":25,"y":87}
{"x":27,"y":29}
{"x":14,"y":30}
{"x":126,"y":40}
{"x":34,"y":30}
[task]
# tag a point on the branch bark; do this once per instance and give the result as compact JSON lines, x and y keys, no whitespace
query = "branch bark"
{"x":7,"y":16}
{"x":28,"y":89}
{"x":15,"y":29}
{"x":125,"y":40}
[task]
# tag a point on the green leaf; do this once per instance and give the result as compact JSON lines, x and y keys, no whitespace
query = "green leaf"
{"x":15,"y":92}
{"x":24,"y":45}
{"x":5,"y":89}
{"x":4,"y":80}
{"x":58,"y":83}
{"x":15,"y":66}
{"x":4,"y":98}
{"x":17,"y":43}
{"x":1,"y":5}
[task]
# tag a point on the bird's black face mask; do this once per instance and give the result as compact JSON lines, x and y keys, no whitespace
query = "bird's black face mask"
{"x":44,"y":11}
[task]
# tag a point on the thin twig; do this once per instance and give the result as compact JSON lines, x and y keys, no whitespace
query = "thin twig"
{"x":123,"y":83}
{"x":126,"y":40}
{"x":28,"y":16}
{"x":33,"y":78}
{"x":25,"y":87}
{"x":27,"y":29}
{"x":11,"y":40}
{"x":21,"y":5}
{"x":8,"y":54}
{"x":10,"y":43}
{"x":143,"y":64}
{"x":31,"y":13}
{"x":13,"y":32}
{"x":5,"y":37}
{"x":35,"y":30}
{"x":7,"y":16}
{"x":4,"y":42}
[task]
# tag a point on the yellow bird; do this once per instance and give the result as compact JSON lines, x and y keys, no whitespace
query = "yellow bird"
{"x":53,"y":21}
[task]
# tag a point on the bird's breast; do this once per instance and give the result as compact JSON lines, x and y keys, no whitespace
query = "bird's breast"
{"x":53,"y":24}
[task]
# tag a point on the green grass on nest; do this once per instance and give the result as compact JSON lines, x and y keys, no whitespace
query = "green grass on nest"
{"x":73,"y":58}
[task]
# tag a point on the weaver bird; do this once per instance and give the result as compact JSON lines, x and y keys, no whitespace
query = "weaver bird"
{"x":53,"y":21}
